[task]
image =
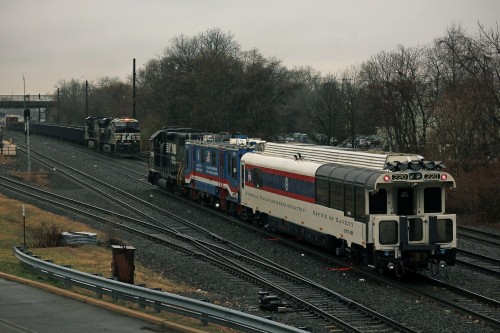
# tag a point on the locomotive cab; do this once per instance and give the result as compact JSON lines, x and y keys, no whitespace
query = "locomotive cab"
{"x":124,"y":137}
{"x":120,"y":136}
{"x":414,"y":230}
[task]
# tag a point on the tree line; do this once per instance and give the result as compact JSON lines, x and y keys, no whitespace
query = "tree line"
{"x":440,"y":100}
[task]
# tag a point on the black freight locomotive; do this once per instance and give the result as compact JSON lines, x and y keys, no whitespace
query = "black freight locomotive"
{"x":119,"y":136}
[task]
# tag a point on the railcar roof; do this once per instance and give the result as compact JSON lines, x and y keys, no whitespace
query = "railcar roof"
{"x":301,"y":167}
{"x":354,"y":175}
{"x":326,"y":154}
{"x":220,"y":145}
{"x":179,"y":133}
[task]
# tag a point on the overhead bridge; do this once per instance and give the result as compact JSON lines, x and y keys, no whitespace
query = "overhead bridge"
{"x":27,"y":101}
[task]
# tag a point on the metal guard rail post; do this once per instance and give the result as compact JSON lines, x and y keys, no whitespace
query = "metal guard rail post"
{"x":159,"y":300}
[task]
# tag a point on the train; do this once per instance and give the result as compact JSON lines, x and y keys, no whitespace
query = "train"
{"x":117,"y":136}
{"x":383,"y":210}
{"x":12,"y":118}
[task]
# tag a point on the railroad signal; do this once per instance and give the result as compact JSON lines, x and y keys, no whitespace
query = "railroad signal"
{"x":27,"y":114}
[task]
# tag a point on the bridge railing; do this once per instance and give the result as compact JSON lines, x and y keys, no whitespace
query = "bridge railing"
{"x":20,"y":98}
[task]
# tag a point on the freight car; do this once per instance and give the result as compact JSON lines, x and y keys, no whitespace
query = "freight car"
{"x":68,"y":133}
{"x":385,"y":210}
{"x":119,"y":136}
{"x":13,"y":118}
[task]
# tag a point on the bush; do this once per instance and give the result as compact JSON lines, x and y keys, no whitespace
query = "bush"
{"x":476,"y":196}
{"x":46,"y":235}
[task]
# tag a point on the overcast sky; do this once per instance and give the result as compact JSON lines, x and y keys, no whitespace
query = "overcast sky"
{"x":51,"y":40}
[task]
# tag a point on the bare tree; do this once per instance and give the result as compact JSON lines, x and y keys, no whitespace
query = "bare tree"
{"x":71,"y":102}
{"x":325,"y":104}
{"x":473,"y":84}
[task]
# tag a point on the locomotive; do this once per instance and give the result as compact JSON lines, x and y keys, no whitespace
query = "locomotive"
{"x":119,"y":136}
{"x":384,"y":210}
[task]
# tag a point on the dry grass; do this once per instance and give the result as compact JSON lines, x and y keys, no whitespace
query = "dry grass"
{"x":88,"y":258}
{"x":40,"y":178}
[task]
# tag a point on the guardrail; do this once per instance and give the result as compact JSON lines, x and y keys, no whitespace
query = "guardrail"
{"x":159,"y":300}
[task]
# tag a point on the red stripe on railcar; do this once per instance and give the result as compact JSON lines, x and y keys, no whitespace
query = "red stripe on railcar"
{"x":309,"y":179}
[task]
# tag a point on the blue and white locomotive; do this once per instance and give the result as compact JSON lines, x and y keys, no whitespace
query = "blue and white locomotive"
{"x":386,"y":210}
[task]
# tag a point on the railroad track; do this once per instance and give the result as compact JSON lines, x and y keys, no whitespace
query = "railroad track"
{"x":305,"y":294}
{"x":479,"y":236}
{"x":240,"y":262}
{"x":480,"y":307}
{"x":315,"y":298}
{"x":479,"y":262}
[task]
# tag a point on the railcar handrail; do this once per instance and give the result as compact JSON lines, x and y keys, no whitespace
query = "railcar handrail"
{"x":159,"y":300}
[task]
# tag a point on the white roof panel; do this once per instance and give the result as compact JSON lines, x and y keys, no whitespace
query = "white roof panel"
{"x":327,"y":154}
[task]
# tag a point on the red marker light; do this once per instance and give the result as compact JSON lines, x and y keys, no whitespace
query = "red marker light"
{"x":387,"y":178}
{"x":444,"y":177}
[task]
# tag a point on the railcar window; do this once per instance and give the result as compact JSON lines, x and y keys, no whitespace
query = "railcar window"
{"x":359,"y":202}
{"x":415,"y":230}
{"x":213,"y":158}
{"x":203,"y":156}
{"x":388,"y":232}
{"x":336,"y":196}
{"x":164,"y":155}
{"x":405,"y":202}
{"x":432,"y":200}
{"x":322,"y":192}
{"x":233,"y":164}
{"x":244,"y":176}
{"x":378,"y":202}
{"x":348,"y":200}
{"x":257,"y":177}
{"x":444,"y":230}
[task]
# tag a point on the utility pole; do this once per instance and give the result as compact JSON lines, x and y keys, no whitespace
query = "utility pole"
{"x":86,"y":98}
{"x":24,"y":229}
{"x":58,"y":105}
{"x":27,"y":116}
{"x":133,"y":89}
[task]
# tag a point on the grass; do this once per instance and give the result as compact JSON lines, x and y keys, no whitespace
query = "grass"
{"x":88,"y":258}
